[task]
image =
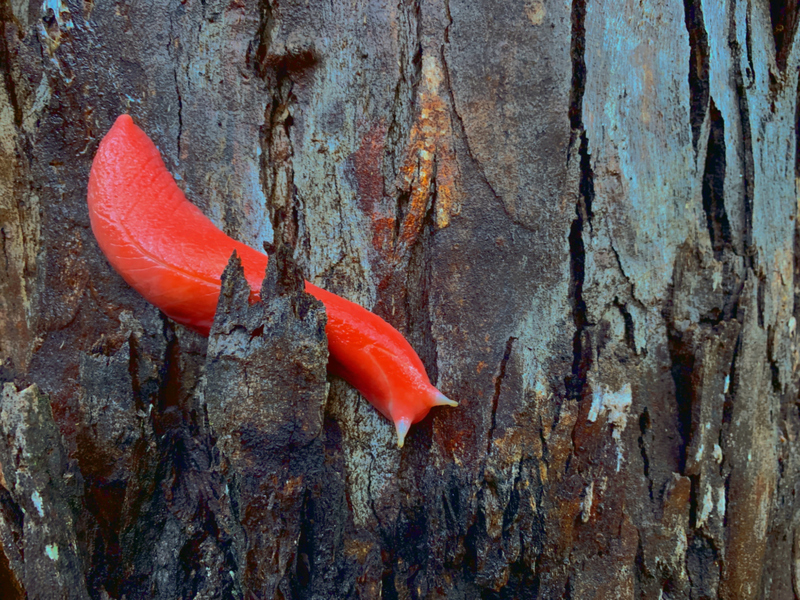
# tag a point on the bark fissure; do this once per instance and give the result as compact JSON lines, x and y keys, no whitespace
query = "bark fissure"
{"x":577,"y":52}
{"x":730,"y":393}
{"x":6,"y":64}
{"x":698,"y":66}
{"x":170,"y":388}
{"x":627,"y":318}
{"x":462,"y":132}
{"x":279,"y":158}
{"x":498,"y":385}
{"x":743,"y":82}
{"x":682,"y":359}
{"x":581,"y":352}
{"x":282,"y":68}
{"x":628,"y":278}
{"x":644,"y":427}
{"x":3,"y":245}
{"x":176,"y":81}
{"x":717,"y":223}
{"x":263,"y":38}
{"x":783,"y":14}
{"x":418,"y":283}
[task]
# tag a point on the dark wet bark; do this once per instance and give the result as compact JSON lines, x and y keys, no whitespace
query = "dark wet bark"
{"x":581,"y":214}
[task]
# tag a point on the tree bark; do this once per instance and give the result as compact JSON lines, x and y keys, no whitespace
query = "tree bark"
{"x":581,"y":214}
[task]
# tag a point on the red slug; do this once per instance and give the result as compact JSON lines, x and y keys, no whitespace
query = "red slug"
{"x":173,"y":255}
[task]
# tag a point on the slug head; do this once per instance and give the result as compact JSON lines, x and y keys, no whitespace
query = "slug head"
{"x":413,"y":407}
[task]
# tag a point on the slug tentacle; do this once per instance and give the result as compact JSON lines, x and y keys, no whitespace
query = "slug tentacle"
{"x":442,"y":400}
{"x":173,"y":255}
{"x":402,"y":426}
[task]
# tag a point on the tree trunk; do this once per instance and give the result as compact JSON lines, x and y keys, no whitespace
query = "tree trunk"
{"x":581,"y":215}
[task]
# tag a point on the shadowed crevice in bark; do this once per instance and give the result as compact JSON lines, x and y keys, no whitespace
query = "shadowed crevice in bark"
{"x":403,"y":195}
{"x":783,"y":14}
{"x":731,"y":390}
{"x":169,"y":390}
{"x":742,"y":82}
{"x":179,"y":99}
{"x":7,"y":28}
{"x":627,"y":319}
{"x":278,"y":160}
{"x":773,"y":360}
{"x":498,"y":385}
{"x":259,"y":46}
{"x":698,"y":66}
{"x":761,"y":299}
{"x":577,"y":52}
{"x":719,"y":228}
{"x":644,"y":431}
{"x":418,"y":284}
{"x":581,"y":363}
{"x":682,"y":368}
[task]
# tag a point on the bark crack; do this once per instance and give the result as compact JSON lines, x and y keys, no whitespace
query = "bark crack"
{"x":784,"y":17}
{"x":625,"y":275}
{"x":498,"y":384}
{"x":698,"y":66}
{"x":6,"y":65}
{"x":3,"y":243}
{"x":744,"y":81}
{"x":176,"y":61}
{"x":682,"y":359}
{"x":627,"y":317}
{"x":719,"y":228}
{"x":644,"y":428}
{"x":578,"y":51}
{"x":581,"y":354}
{"x":462,"y":127}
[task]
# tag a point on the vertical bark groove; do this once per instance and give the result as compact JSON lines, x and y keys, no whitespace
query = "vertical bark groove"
{"x":743,"y":82}
{"x":581,"y":362}
{"x":698,"y":66}
{"x":719,"y":228}
{"x":783,"y":14}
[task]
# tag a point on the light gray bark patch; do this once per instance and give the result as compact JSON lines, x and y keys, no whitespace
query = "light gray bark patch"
{"x":40,"y":492}
{"x":499,"y":52}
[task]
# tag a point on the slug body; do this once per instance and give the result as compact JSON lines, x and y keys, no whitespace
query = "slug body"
{"x":173,"y":255}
